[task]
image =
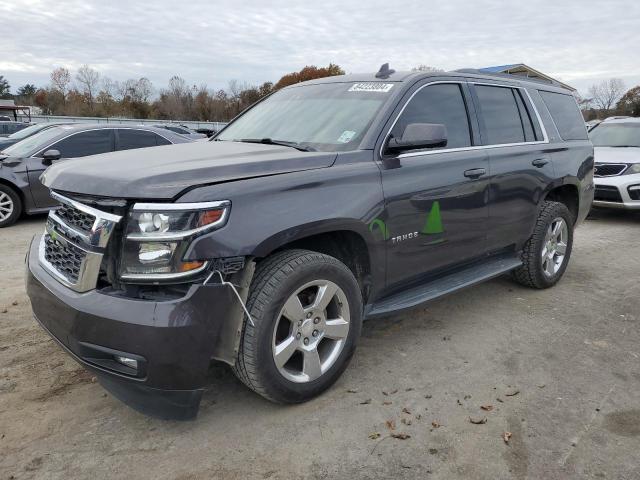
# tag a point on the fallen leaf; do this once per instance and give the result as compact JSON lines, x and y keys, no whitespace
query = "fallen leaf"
{"x":366,"y":402}
{"x":458,"y":401}
{"x":352,"y":390}
{"x":14,"y":303}
{"x":401,"y":436}
{"x":393,"y":391}
{"x":410,"y":389}
{"x":506,"y":436}
{"x":428,"y":396}
{"x":385,"y":393}
{"x":387,"y":402}
{"x":512,"y":393}
{"x":486,"y":408}
{"x":406,"y":421}
{"x":4,"y":310}
{"x":391,"y":424}
{"x":374,"y":435}
{"x":433,"y":451}
{"x":435,"y":424}
{"x":467,"y":397}
{"x":418,"y":416}
{"x":478,"y":420}
{"x":500,"y":400}
{"x":541,"y":386}
{"x":406,"y":410}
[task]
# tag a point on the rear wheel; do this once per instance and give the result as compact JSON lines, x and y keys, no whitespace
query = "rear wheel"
{"x":546,"y":254}
{"x":307,"y":313}
{"x":10,"y":206}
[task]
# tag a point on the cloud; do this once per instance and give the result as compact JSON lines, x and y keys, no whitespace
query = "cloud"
{"x":255,"y":41}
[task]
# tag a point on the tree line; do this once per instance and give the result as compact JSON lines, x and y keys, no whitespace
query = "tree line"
{"x":609,"y":98}
{"x":88,"y":93}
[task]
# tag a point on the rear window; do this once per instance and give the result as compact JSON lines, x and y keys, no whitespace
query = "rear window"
{"x":501,"y":115}
{"x":566,"y":115}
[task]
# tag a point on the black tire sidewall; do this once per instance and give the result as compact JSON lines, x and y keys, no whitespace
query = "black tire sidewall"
{"x":17,"y":206}
{"x":278,"y":387}
{"x":558,"y":210}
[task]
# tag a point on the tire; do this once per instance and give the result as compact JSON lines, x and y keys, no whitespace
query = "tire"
{"x":277,"y":281}
{"x":10,"y":206}
{"x":544,"y":272}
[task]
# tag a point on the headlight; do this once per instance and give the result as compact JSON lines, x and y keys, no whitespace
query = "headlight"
{"x":634,"y":168}
{"x":158,"y":235}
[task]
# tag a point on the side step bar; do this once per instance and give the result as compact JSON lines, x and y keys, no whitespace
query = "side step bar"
{"x":443,"y":286}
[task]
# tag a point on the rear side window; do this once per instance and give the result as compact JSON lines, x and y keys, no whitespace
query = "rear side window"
{"x":82,"y":144}
{"x":566,"y":115}
{"x":501,"y":115}
{"x":129,"y":139}
{"x":440,"y":103}
{"x":162,"y":141}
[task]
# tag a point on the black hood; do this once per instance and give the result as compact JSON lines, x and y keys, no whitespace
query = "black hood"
{"x":164,"y":172}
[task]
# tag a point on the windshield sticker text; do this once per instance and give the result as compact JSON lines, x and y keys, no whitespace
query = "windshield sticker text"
{"x":371,"y":87}
{"x":346,"y":136}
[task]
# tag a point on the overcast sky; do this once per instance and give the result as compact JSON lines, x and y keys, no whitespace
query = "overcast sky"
{"x":211,"y":42}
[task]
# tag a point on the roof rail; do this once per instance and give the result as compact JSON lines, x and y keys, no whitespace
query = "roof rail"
{"x":510,"y":76}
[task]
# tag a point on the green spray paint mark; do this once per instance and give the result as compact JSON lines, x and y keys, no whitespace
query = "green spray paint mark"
{"x":381,"y":226}
{"x":434,"y":221}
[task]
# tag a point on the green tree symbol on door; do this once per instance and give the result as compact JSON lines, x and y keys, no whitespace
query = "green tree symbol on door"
{"x":434,"y":221}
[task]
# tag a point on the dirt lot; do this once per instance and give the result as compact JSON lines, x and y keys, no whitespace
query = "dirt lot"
{"x":558,"y":369}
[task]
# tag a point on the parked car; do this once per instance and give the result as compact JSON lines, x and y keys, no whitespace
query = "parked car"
{"x":22,"y":164}
{"x":9,"y":127}
{"x":326,"y":203}
{"x":617,"y":169}
{"x":24,"y":133}
{"x":182,"y":130}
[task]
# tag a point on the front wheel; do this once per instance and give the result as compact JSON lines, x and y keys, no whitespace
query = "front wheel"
{"x":10,"y":206}
{"x":307,"y":314}
{"x":546,"y":254}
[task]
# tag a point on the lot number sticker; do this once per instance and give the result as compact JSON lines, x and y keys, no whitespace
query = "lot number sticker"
{"x":371,"y":87}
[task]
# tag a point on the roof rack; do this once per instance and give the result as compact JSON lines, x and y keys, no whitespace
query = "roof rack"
{"x":510,"y":76}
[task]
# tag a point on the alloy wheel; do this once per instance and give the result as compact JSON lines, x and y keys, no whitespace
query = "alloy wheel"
{"x":554,"y":248}
{"x":311,"y":331}
{"x":6,"y":206}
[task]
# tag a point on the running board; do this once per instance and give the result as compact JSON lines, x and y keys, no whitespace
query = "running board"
{"x":443,"y":286}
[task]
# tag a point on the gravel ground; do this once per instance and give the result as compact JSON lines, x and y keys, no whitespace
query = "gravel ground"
{"x":558,"y":369}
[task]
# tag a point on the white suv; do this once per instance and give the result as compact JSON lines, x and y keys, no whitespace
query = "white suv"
{"x":617,"y":158}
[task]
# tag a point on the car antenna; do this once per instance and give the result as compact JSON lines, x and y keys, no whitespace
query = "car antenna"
{"x":385,"y":71}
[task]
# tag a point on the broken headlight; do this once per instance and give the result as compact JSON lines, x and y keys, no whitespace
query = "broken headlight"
{"x":158,"y":235}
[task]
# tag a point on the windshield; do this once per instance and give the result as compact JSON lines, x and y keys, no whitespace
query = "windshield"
{"x":28,"y":146}
{"x":325,"y":117}
{"x":616,"y":135}
{"x":25,"y":132}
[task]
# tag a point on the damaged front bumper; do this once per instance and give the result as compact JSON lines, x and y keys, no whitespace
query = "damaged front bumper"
{"x":172,"y":342}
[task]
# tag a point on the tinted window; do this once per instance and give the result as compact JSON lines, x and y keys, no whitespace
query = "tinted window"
{"x":500,"y":114}
{"x":85,"y":143}
{"x":128,"y":139}
{"x":566,"y":115}
{"x":162,"y":141}
{"x":525,"y":117}
{"x":442,"y":103}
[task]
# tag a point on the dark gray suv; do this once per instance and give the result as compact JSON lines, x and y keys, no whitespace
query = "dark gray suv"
{"x":328,"y":202}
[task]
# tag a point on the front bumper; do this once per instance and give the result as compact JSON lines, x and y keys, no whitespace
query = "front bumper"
{"x":173,"y":340}
{"x":616,"y":192}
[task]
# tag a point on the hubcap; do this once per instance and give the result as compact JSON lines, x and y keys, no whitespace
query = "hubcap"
{"x":6,"y":206}
{"x":311,"y":331}
{"x":555,"y":247}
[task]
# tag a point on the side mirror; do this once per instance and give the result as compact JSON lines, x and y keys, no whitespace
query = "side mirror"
{"x":419,"y":135}
{"x":50,"y":156}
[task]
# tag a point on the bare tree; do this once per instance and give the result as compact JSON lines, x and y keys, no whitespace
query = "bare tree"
{"x":88,"y":79}
{"x":605,"y":94}
{"x":60,"y":79}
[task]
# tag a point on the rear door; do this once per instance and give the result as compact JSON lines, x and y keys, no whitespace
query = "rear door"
{"x":435,"y":211}
{"x":81,"y":144}
{"x":520,"y":164}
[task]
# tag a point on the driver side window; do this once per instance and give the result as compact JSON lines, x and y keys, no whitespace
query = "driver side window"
{"x":441,"y":103}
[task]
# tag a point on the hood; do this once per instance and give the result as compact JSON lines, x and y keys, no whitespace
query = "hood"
{"x":617,"y":154}
{"x":164,"y":172}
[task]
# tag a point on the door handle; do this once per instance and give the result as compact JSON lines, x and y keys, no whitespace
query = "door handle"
{"x":540,"y":162}
{"x":474,"y":172}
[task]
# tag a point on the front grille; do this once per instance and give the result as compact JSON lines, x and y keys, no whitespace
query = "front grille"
{"x":64,"y":257}
{"x":75,"y":218}
{"x":609,"y":169}
{"x":607,"y":193}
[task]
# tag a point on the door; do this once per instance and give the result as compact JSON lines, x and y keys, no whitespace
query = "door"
{"x":520,"y":165}
{"x":435,"y":199}
{"x":81,"y":144}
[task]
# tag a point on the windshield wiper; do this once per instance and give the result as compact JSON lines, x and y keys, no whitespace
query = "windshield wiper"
{"x":270,"y":141}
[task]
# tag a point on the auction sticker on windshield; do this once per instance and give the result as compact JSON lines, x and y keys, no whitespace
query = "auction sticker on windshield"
{"x":371,"y":87}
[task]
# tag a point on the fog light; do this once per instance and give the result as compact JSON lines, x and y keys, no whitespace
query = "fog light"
{"x":126,"y":361}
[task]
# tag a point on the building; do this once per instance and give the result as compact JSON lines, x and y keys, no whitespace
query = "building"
{"x":10,"y":109}
{"x":525,"y":71}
